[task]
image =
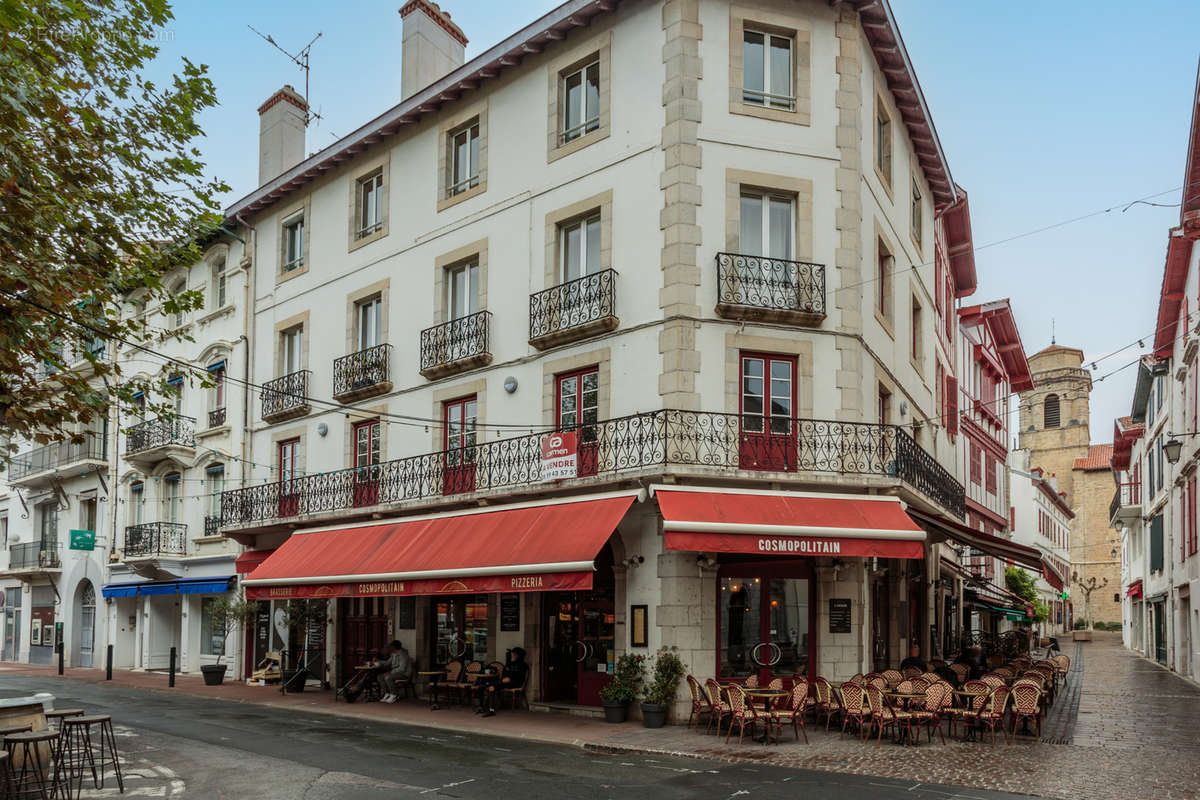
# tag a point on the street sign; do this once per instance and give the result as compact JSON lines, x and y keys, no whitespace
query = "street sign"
{"x":83,"y":540}
{"x":559,"y":456}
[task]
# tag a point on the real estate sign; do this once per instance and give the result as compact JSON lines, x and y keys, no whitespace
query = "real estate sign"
{"x":559,"y":456}
{"x":83,"y":540}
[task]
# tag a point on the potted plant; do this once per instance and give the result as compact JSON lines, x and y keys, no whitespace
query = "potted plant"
{"x":661,"y":688}
{"x":623,"y":689}
{"x":227,"y":615}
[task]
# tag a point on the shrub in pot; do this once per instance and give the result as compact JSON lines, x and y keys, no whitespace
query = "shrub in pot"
{"x":227,"y":615}
{"x":623,"y":689}
{"x":660,"y":690}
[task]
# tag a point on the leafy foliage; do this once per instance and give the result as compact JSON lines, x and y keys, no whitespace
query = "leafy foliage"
{"x":628,"y":674}
{"x":229,"y":614}
{"x":1021,"y":583}
{"x":664,"y":680}
{"x":102,"y":195}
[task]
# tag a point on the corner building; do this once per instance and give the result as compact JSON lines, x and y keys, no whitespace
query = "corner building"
{"x":708,"y":254}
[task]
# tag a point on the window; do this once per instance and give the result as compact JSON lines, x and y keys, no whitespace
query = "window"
{"x":883,"y":142}
{"x":87,"y":514}
{"x":992,"y":476}
{"x":883,"y":280}
{"x":48,"y":516}
{"x":884,"y":405}
{"x":370,"y":205}
{"x":579,"y":247}
{"x":464,"y":159}
{"x":179,"y":318}
{"x":917,"y":350}
{"x":1193,"y":540}
{"x":291,"y":352}
{"x":216,"y":393}
{"x":976,"y":464}
{"x":918,"y":212}
{"x":366,"y":443}
{"x":951,"y":409}
{"x":293,"y":243}
{"x":174,"y":498}
{"x":768,"y":390}
{"x":581,"y":101}
{"x":459,"y":417}
{"x":214,"y":478}
{"x":218,"y":284}
{"x":767,"y":70}
{"x":368,"y":322}
{"x":462,"y":290}
{"x":289,"y":460}
{"x":1156,"y":543}
{"x":4,"y":532}
{"x":1050,"y":412}
{"x":137,"y":499}
{"x":578,"y":402}
{"x":175,"y":388}
{"x":212,"y":635}
{"x":768,"y":225}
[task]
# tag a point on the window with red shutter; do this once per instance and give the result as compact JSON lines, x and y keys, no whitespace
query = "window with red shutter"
{"x":992,"y":467}
{"x":951,"y":409}
{"x":976,"y":464}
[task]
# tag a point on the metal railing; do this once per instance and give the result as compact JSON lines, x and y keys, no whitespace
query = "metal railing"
{"x":361,"y":370}
{"x":212,"y":525}
{"x":178,"y":430}
{"x":1127,"y":494}
{"x":572,"y":304}
{"x":772,"y":284}
{"x":285,"y":393}
{"x":216,"y":417}
{"x":155,"y":539}
{"x":713,"y":441}
{"x":456,"y":340}
{"x":56,"y":456}
{"x":34,"y":555}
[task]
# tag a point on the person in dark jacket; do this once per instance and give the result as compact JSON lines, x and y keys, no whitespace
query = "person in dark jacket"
{"x":513,"y":676}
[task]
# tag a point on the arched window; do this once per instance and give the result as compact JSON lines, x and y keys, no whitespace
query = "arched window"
{"x":1050,"y":416}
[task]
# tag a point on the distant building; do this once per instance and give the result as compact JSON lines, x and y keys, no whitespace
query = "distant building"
{"x":1041,"y":519}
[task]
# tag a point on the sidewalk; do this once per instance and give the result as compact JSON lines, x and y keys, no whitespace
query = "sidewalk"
{"x":1118,"y":731}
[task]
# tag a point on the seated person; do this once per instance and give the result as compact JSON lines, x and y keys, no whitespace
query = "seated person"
{"x":514,"y":675}
{"x":397,"y":667}
{"x":914,"y":660}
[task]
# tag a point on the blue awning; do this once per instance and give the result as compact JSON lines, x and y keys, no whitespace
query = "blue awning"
{"x":217,"y":585}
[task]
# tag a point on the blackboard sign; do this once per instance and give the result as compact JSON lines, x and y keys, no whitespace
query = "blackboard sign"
{"x":839,"y":615}
{"x":510,"y":612}
{"x":406,"y":613}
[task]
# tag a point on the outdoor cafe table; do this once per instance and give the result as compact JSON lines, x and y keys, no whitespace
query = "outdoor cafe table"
{"x":968,"y":697}
{"x":431,"y":682}
{"x":904,"y":698}
{"x":767,"y":696}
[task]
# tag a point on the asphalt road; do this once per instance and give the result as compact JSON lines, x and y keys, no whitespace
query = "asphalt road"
{"x":179,"y":746}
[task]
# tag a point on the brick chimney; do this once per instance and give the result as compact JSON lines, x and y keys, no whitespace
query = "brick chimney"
{"x":280,"y":133}
{"x":432,"y":46}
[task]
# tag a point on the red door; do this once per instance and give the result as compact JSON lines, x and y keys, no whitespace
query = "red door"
{"x":366,"y":463}
{"x":458,"y":470}
{"x":577,"y":409}
{"x":766,"y":621}
{"x":289,"y":494}
{"x":767,"y":435}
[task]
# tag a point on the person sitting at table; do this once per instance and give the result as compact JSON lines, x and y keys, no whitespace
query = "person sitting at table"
{"x":914,"y":660}
{"x":398,"y":667}
{"x":514,"y":675}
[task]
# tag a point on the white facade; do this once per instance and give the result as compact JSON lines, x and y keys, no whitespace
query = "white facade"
{"x":1041,"y":519}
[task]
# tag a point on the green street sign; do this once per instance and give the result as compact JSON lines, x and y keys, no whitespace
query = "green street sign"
{"x":83,"y":540}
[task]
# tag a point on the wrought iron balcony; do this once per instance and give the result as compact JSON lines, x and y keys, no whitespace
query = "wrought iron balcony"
{"x":177,"y":431}
{"x":153,"y":539}
{"x":216,"y":417}
{"x":363,"y":374}
{"x":709,"y":442}
{"x":32,"y":464}
{"x":456,"y":345}
{"x":774,"y":289}
{"x":34,"y":556}
{"x":212,"y":525}
{"x":573,"y":310}
{"x":286,"y":397}
{"x":1126,"y":504}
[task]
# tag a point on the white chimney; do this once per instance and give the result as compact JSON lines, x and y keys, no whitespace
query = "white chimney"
{"x":432,"y":46}
{"x":280,"y":133}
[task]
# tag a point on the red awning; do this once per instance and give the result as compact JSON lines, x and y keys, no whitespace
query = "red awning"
{"x":1134,"y":590}
{"x":993,"y":545}
{"x":1051,"y":576}
{"x":786,"y":523}
{"x":527,"y":547}
{"x":250,"y":559}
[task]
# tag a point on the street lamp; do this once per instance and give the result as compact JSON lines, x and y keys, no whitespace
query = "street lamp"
{"x":1172,"y":450}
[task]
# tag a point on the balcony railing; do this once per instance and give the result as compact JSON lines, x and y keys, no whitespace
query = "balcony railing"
{"x":709,"y":441}
{"x":770,"y":287}
{"x":216,"y":418}
{"x":212,"y":525}
{"x":34,"y":555}
{"x":456,"y":345}
{"x":57,"y":456}
{"x":362,"y":372}
{"x":178,"y":430}
{"x":1127,"y":494}
{"x":155,"y":539}
{"x":286,"y":396}
{"x":573,"y":309}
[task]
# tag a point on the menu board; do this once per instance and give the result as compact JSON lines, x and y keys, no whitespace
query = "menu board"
{"x":839,"y":615}
{"x":406,"y":613}
{"x":510,"y":612}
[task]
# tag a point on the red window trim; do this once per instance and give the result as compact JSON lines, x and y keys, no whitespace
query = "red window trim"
{"x":558,"y":380}
{"x":369,"y":423}
{"x":976,"y":464}
{"x":767,"y":357}
{"x":446,"y":406}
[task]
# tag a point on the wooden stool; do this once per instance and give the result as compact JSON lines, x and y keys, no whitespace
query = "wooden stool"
{"x":32,"y":780}
{"x":54,"y":718}
{"x":7,"y":789}
{"x":80,"y":752}
{"x":11,"y":729}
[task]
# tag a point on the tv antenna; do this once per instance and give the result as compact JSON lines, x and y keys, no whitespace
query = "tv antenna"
{"x":300,"y":59}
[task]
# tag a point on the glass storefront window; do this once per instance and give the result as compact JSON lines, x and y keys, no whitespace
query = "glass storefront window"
{"x":764,"y":627}
{"x":789,"y":625}
{"x":741,"y":599}
{"x":212,"y":637}
{"x":461,"y":629}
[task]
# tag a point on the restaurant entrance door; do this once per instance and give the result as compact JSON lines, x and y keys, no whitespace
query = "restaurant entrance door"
{"x":364,"y":627}
{"x":580,"y":638}
{"x":765,"y":619}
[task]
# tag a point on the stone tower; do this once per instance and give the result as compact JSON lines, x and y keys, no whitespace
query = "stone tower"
{"x":1055,"y":440}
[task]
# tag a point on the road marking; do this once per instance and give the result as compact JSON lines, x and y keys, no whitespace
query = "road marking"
{"x":448,"y":786}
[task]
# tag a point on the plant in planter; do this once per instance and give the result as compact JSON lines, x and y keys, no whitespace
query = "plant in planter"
{"x":623,"y":689}
{"x":661,"y":688}
{"x":227,"y":615}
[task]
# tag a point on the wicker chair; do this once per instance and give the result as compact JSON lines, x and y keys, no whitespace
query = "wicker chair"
{"x":912,"y":672}
{"x":743,"y":713}
{"x":878,"y":682}
{"x":919,"y":683}
{"x":1063,"y":664}
{"x":1004,"y":672}
{"x":884,"y":715}
{"x":718,"y":707}
{"x":700,"y":705}
{"x":1027,"y":704}
{"x":853,"y":696}
{"x":972,"y":705}
{"x":906,"y":687}
{"x":893,"y":676}
{"x":993,"y":680}
{"x":449,"y":679}
{"x":859,"y":678}
{"x":793,"y":712}
{"x":824,"y":701}
{"x":936,"y":663}
{"x":929,"y":715}
{"x":931,"y":677}
{"x":751,"y":682}
{"x":962,"y":671}
{"x":466,"y":684}
{"x":992,"y":714}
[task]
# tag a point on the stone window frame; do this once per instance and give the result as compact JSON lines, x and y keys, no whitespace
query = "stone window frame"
{"x":792,"y":26}
{"x":600,"y":358}
{"x":380,"y":289}
{"x":916,"y":355}
{"x":381,"y":165}
{"x":448,"y":128}
{"x":916,"y":222}
{"x":885,"y":316}
{"x":885,"y":173}
{"x":445,"y":262}
{"x":300,"y":320}
{"x":304,"y":208}
{"x":360,"y":415}
{"x":801,"y":189}
{"x":737,"y":343}
{"x":300,"y":434}
{"x":602,"y":202}
{"x":596,"y":48}
{"x":446,"y":394}
{"x":218,"y":254}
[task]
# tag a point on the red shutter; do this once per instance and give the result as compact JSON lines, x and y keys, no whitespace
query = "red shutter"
{"x":976,"y":464}
{"x":991,"y":464}
{"x":952,"y":405}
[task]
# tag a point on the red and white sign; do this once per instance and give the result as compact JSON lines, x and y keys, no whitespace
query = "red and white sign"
{"x":560,"y":456}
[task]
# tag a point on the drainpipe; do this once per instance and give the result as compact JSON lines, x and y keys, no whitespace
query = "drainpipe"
{"x":238,"y":657}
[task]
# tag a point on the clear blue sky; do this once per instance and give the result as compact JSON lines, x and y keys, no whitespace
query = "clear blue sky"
{"x":1046,"y":111}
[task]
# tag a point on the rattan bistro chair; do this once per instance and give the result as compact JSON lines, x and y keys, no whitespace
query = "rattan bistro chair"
{"x":793,"y":712}
{"x":717,"y":703}
{"x":1027,"y":704}
{"x":992,"y":714}
{"x":884,"y":715}
{"x":972,"y":705}
{"x":743,"y":713}
{"x":929,"y":715}
{"x":854,"y":696}
{"x":701,"y":708}
{"x":824,"y":702}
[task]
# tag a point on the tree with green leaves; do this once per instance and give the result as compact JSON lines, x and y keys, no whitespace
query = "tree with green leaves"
{"x":1024,"y":585}
{"x":102,"y":194}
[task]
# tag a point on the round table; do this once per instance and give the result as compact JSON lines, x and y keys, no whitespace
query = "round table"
{"x":431,"y":682}
{"x":767,"y":696}
{"x":907,"y":697}
{"x":969,"y":697}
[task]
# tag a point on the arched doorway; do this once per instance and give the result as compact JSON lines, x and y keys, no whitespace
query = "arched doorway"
{"x":87,"y":623}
